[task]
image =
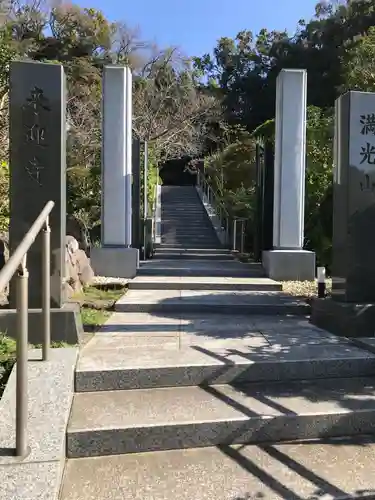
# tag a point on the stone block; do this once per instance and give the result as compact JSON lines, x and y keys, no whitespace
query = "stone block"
{"x":115,"y":262}
{"x":344,"y":318}
{"x":289,"y":265}
{"x":353,"y":264}
{"x":66,"y":324}
{"x":37,"y":130}
{"x":50,"y":390}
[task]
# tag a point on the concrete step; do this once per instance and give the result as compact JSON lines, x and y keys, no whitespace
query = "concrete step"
{"x":335,"y":469}
{"x":114,"y":422}
{"x":234,"y":284}
{"x":211,"y":301}
{"x":127,"y":367}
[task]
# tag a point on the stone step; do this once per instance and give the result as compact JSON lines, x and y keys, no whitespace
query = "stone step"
{"x":193,"y":256}
{"x":330,"y":469}
{"x":250,"y":284}
{"x":162,"y":248}
{"x":115,"y":422}
{"x":124,"y":368}
{"x":211,"y":301}
{"x":169,"y":271}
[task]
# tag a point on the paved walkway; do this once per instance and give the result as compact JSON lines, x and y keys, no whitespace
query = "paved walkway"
{"x":167,"y":379}
{"x":207,"y":381}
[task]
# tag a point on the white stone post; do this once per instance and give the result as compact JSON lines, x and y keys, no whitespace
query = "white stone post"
{"x":116,"y":258}
{"x":288,"y":260}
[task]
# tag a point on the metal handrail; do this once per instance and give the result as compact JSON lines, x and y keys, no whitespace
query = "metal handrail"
{"x":226,"y":221}
{"x":154,"y":204}
{"x":18,"y":262}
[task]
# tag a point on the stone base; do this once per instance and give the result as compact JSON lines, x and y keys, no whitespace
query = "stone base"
{"x":66,"y":324}
{"x":115,"y":262}
{"x":344,"y":318}
{"x":289,"y":265}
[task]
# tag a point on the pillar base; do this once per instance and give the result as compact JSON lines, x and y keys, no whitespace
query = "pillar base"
{"x":289,"y":265}
{"x":115,"y":262}
{"x":66,"y":324}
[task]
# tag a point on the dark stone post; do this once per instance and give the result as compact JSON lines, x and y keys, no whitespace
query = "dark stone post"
{"x":38,"y":167}
{"x":136,"y":193}
{"x":352,"y":310}
{"x":269,"y":158}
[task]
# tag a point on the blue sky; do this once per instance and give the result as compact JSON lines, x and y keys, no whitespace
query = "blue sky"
{"x":195,"y":25}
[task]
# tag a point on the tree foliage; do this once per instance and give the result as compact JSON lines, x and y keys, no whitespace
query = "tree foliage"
{"x":337,"y":48}
{"x":170,"y":108}
{"x":217,"y":105}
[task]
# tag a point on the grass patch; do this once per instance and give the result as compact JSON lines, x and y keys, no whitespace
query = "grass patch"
{"x":97,"y":302}
{"x":7,"y":359}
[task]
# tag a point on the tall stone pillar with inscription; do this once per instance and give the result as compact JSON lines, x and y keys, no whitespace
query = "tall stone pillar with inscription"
{"x":351,"y":311}
{"x":288,"y":260}
{"x":115,"y":257}
{"x":38,"y":174}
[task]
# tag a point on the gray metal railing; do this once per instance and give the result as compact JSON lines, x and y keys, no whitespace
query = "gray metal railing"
{"x":234,"y":228}
{"x":18,"y":263}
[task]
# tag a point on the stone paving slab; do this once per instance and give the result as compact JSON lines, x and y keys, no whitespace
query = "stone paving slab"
{"x":331,"y":470}
{"x":204,"y":283}
{"x":124,"y":341}
{"x":140,"y":322}
{"x":208,"y":301}
{"x":31,"y":481}
{"x":92,"y":359}
{"x":50,"y":391}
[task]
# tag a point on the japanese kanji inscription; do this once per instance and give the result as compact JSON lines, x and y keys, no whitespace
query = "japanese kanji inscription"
{"x":35,"y":132}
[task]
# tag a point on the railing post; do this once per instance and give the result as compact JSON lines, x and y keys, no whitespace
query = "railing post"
{"x":22,"y":359}
{"x":227,"y":231}
{"x":46,"y":290}
{"x":242,"y":235}
{"x":145,"y":197}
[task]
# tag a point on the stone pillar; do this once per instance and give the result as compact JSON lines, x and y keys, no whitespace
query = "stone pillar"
{"x":351,"y":311}
{"x":38,"y":167}
{"x":136,"y":193}
{"x":37,"y":156}
{"x":115,"y":257}
{"x":288,"y":260}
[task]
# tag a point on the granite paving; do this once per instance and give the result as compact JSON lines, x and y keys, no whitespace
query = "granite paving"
{"x":211,"y":301}
{"x":112,"y":422}
{"x":204,"y":283}
{"x":206,"y":352}
{"x":50,"y":394}
{"x":219,"y":403}
{"x":327,"y":470}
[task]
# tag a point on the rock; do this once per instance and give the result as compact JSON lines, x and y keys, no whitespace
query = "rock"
{"x":77,"y":230}
{"x":4,"y":249}
{"x":85,"y":271}
{"x":79,"y":272}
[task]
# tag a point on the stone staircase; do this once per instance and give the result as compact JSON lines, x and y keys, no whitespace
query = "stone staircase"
{"x":185,"y":224}
{"x":207,"y":384}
